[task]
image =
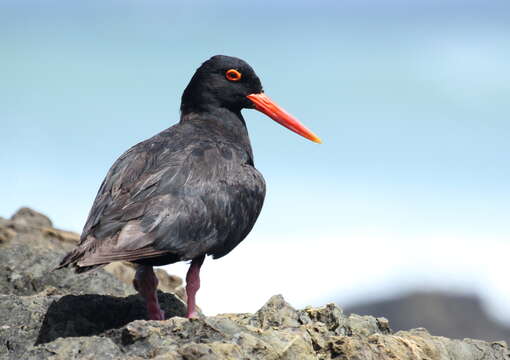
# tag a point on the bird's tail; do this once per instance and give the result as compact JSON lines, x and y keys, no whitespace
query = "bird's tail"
{"x":72,"y":258}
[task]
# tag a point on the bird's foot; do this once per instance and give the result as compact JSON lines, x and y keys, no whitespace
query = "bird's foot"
{"x":192,"y":315}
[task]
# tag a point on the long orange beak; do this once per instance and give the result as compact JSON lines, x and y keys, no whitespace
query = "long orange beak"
{"x":264,"y":104}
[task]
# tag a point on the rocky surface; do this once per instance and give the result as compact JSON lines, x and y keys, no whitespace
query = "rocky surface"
{"x":60,"y":315}
{"x":445,"y":314}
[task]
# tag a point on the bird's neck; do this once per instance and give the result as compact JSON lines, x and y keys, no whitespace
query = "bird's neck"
{"x":221,"y":123}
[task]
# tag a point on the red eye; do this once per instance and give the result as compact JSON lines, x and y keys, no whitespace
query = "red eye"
{"x":233,"y":75}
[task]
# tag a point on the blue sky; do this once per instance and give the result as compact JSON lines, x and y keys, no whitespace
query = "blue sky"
{"x":410,"y":99}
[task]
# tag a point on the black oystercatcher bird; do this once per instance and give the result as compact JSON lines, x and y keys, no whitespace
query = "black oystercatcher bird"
{"x":189,"y":191}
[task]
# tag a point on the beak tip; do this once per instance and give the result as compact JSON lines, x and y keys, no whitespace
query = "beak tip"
{"x":315,"y":139}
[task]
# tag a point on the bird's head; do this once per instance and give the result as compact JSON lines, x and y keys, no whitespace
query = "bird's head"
{"x":229,"y":82}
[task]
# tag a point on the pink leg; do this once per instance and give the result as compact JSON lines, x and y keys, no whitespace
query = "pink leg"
{"x":193,"y":284}
{"x":146,"y":283}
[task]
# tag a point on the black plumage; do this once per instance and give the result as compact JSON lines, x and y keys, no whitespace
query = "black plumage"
{"x":191,"y":190}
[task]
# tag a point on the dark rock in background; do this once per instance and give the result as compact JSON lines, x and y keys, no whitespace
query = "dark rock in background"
{"x":452,"y":315}
{"x":60,"y":315}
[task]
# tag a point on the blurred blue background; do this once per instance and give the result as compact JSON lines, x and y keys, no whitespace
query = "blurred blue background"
{"x":411,"y":98}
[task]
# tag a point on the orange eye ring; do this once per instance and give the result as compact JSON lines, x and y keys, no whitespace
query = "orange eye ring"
{"x":233,"y":75}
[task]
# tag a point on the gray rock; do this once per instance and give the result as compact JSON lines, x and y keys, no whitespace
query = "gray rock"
{"x":231,"y":336}
{"x":28,"y":321}
{"x":442,"y":313}
{"x":29,"y":217}
{"x":46,"y":315}
{"x":26,"y":268}
{"x":21,"y":318}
